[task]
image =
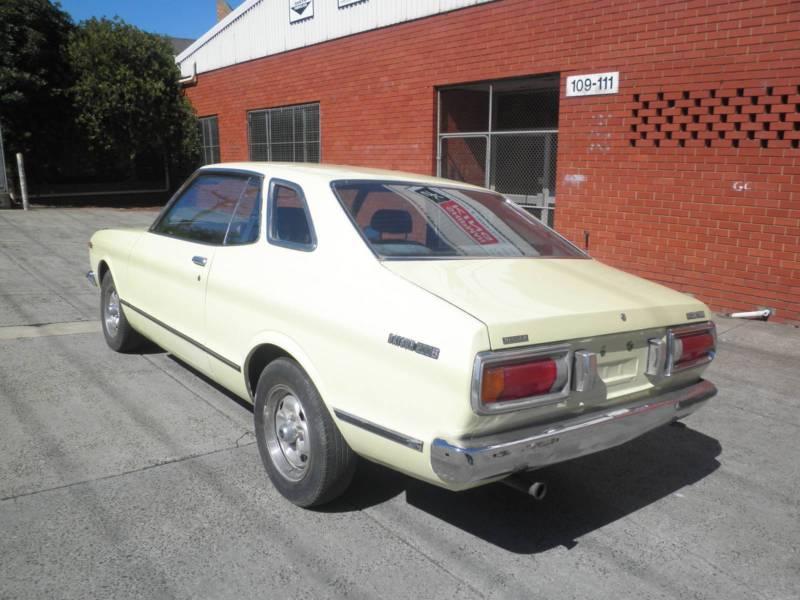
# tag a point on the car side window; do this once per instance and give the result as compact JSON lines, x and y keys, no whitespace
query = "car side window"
{"x":210,"y":206}
{"x":245,"y":223}
{"x":289,"y":221}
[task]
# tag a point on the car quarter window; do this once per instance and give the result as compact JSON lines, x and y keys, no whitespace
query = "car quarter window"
{"x":290,"y":223}
{"x":215,"y":208}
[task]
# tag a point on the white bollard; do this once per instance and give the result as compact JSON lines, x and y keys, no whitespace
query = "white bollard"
{"x":23,"y":185}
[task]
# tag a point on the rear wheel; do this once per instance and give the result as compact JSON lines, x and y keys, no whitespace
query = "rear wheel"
{"x":119,"y":334}
{"x":305,"y":456}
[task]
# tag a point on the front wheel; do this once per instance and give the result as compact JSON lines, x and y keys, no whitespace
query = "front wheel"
{"x":119,"y":334}
{"x":305,"y":456}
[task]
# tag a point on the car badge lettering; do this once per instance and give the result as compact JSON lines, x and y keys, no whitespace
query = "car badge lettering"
{"x":515,"y":339}
{"x":623,"y":316}
{"x":544,"y":443}
{"x":413,"y":346}
{"x":698,"y":314}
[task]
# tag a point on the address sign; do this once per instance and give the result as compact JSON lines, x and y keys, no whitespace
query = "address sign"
{"x":594,"y":84}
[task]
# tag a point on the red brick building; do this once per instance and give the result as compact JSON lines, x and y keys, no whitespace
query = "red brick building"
{"x":688,"y":173}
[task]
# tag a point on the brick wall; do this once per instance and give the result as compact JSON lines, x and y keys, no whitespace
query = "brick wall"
{"x":690,"y":176}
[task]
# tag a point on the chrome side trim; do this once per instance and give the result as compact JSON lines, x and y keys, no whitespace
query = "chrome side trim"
{"x":184,"y":337}
{"x":488,"y":457}
{"x":91,"y":277}
{"x":561,"y":353}
{"x":389,"y":434}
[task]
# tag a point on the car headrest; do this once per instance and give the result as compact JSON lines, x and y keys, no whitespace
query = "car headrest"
{"x":388,"y":220}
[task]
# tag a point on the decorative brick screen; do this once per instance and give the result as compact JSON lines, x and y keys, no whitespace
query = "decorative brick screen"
{"x":768,"y":117}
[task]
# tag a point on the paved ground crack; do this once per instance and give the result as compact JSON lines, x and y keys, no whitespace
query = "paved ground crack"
{"x":191,"y":391}
{"x":156,"y":465}
{"x":246,"y":434}
{"x":422,"y":553}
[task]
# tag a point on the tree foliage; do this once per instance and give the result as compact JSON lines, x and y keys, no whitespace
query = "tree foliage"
{"x":97,"y":99}
{"x":126,"y":94}
{"x":34,"y":75}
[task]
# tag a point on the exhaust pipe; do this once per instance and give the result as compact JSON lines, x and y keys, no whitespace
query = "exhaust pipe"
{"x":536,"y":490}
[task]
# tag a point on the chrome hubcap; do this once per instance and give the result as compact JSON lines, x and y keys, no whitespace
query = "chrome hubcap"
{"x":112,"y":313}
{"x":290,"y":447}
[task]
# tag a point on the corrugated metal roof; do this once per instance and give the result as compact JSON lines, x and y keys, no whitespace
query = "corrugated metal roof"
{"x":260,"y":28}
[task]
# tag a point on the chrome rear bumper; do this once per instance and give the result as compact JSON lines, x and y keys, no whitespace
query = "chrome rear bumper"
{"x":493,"y":456}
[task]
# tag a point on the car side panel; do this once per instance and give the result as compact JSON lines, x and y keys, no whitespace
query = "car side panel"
{"x":113,"y":247}
{"x":167,"y":288}
{"x":336,"y":323}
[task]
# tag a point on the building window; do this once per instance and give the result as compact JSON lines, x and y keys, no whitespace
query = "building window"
{"x":503,"y":135}
{"x":209,"y":137}
{"x":288,"y":134}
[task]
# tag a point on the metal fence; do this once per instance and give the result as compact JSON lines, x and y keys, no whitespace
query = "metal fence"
{"x":504,"y":136}
{"x":285,"y":134}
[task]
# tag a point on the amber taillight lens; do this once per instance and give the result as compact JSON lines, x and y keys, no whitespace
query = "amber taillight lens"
{"x":512,"y":382}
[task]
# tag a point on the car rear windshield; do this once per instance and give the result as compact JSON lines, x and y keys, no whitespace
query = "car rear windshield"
{"x":404,"y":220}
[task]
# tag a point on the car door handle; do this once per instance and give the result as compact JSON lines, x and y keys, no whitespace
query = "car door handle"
{"x":200,"y":260}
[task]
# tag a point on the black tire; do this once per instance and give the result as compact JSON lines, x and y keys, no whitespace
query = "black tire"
{"x":309,"y":462}
{"x":122,"y":338}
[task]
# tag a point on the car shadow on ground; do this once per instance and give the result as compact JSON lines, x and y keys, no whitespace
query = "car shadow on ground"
{"x":151,"y":348}
{"x":584,"y":494}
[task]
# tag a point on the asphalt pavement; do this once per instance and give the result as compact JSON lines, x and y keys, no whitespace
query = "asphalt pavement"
{"x":132,"y":476}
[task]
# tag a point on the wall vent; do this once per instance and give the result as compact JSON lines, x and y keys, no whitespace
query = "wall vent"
{"x":766,"y":117}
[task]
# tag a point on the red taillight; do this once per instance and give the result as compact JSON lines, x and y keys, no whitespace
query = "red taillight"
{"x":512,"y":382}
{"x":692,"y":347}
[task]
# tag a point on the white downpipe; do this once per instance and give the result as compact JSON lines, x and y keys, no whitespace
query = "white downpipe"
{"x":191,"y":79}
{"x":764,"y":313}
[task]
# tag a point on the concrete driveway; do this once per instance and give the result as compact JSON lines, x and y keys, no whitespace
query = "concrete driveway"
{"x":134,"y":477}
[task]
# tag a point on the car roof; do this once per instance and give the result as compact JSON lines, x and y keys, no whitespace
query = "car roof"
{"x":327,"y":172}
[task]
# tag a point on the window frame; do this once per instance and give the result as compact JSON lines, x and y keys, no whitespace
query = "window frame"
{"x":186,"y":184}
{"x":203,"y":145}
{"x":268,"y":112}
{"x":583,"y":255}
{"x":271,"y":239}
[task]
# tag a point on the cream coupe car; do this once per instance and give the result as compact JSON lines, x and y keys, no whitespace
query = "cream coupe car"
{"x":425,"y":324}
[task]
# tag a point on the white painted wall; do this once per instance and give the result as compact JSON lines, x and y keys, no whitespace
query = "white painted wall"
{"x":260,"y":28}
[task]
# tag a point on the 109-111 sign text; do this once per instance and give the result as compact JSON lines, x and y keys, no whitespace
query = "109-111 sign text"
{"x":593,"y":84}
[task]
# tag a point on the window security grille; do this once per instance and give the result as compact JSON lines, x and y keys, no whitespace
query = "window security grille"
{"x":209,"y":136}
{"x":503,"y":135}
{"x":289,"y":134}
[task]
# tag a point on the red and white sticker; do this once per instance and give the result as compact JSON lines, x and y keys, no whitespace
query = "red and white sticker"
{"x":468,"y":223}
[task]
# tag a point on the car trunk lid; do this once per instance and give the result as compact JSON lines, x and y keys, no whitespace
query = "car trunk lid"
{"x":533,"y":301}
